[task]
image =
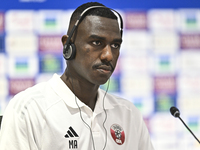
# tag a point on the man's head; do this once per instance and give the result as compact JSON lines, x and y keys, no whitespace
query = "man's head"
{"x":97,"y":41}
{"x":93,"y":12}
{"x":93,"y":9}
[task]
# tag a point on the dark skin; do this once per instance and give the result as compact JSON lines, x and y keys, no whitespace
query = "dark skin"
{"x":97,"y":42}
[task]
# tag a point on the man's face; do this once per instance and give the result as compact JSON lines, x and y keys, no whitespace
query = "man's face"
{"x":97,"y":42}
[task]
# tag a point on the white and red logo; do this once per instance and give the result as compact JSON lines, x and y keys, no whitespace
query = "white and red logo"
{"x":117,"y":133}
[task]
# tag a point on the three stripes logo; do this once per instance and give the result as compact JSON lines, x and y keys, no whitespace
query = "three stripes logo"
{"x":71,"y":133}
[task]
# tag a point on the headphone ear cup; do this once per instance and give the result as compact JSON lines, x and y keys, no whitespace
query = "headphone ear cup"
{"x":69,"y":51}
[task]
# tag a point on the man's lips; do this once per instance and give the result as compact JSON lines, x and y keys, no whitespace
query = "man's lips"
{"x":105,"y":68}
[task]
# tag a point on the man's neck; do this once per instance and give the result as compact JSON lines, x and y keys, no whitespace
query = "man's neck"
{"x":87,"y":93}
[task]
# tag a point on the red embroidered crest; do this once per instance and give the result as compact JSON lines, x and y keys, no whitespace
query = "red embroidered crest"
{"x":117,"y":133}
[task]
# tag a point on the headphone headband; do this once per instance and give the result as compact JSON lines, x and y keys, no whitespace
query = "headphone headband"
{"x":69,"y":48}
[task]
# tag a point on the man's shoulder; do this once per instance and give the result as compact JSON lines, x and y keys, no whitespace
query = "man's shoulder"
{"x":31,"y":92}
{"x":41,"y":94}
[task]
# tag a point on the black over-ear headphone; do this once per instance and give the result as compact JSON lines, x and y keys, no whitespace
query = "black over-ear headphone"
{"x":69,"y":49}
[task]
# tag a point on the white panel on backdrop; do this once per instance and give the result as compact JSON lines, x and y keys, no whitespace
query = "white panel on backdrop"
{"x":19,"y":21}
{"x":164,"y":131}
{"x":189,"y":62}
{"x":49,"y":22}
{"x":164,"y":64}
{"x":189,"y":20}
{"x":135,"y":63}
{"x":160,"y":19}
{"x":136,"y":42}
{"x":22,"y":66}
{"x":189,"y":104}
{"x":188,"y":84}
{"x":165,"y":42}
{"x":136,"y":85}
{"x":21,"y":44}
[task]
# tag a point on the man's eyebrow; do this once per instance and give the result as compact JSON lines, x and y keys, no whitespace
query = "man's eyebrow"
{"x":93,"y":36}
{"x":118,"y":40}
{"x":103,"y":38}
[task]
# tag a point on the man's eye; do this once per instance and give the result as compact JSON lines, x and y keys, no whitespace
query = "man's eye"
{"x":115,"y":45}
{"x":96,"y":42}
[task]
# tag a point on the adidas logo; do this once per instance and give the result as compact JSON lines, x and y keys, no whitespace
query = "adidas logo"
{"x":73,"y":143}
{"x":71,"y":133}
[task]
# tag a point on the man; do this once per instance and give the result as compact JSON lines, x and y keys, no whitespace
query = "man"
{"x":71,"y":112}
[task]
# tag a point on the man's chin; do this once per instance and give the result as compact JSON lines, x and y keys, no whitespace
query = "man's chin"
{"x":101,"y":82}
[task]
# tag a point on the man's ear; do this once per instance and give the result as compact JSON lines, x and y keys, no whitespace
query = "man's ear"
{"x":64,"y":39}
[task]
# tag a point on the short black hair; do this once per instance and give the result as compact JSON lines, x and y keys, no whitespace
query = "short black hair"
{"x":102,"y":12}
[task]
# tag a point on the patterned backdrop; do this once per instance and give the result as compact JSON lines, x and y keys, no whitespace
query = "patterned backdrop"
{"x":159,"y":65}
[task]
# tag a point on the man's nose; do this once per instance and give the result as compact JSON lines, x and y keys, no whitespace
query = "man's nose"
{"x":107,"y":54}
